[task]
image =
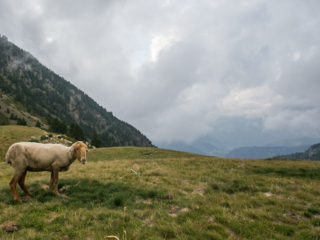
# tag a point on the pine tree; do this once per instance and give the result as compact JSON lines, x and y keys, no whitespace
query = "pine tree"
{"x":76,"y":132}
{"x":58,"y":126}
{"x":38,"y":124}
{"x":95,"y":141}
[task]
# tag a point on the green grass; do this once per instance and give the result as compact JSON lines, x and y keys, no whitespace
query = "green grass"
{"x":169,"y":195}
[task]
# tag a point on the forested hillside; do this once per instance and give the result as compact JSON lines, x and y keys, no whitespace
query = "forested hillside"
{"x":32,"y":94}
{"x":312,"y":153}
{"x":264,"y":151}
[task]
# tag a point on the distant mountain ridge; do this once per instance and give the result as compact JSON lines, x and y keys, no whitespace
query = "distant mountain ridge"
{"x":32,"y":90}
{"x":312,"y":153}
{"x":264,"y":151}
{"x":199,"y":147}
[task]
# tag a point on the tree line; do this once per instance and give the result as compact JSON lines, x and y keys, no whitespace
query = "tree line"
{"x":73,"y":130}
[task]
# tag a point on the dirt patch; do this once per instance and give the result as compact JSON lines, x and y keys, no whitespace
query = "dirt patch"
{"x":51,"y":217}
{"x":10,"y":226}
{"x":293,"y":216}
{"x":149,"y":221}
{"x":200,"y":190}
{"x":176,"y":210}
{"x":232,"y":233}
{"x":148,"y":201}
{"x":64,"y":238}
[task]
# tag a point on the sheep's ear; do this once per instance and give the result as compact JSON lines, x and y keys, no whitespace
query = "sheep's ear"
{"x":73,"y":149}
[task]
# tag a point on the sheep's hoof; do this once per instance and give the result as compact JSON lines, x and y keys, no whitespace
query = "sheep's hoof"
{"x":61,"y":195}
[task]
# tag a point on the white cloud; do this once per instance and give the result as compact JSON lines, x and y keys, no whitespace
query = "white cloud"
{"x":296,"y":56}
{"x":250,"y":102}
{"x":160,"y":42}
{"x":177,"y":70}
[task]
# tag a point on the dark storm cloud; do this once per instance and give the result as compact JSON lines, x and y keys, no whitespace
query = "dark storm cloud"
{"x":180,"y":71}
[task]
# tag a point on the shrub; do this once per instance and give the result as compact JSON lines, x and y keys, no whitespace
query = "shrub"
{"x":38,"y":124}
{"x":43,"y":137}
{"x":21,"y":121}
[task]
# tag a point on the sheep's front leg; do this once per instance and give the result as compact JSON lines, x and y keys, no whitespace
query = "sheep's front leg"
{"x":55,"y":181}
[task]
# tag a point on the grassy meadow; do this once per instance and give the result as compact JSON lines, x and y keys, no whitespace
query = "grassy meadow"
{"x":150,"y":193}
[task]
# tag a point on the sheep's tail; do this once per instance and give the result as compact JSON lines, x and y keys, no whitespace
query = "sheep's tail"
{"x":8,"y":154}
{"x":8,"y":158}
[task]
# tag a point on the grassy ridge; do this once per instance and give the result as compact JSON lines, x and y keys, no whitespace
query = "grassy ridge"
{"x":113,"y":153}
{"x":150,"y":193}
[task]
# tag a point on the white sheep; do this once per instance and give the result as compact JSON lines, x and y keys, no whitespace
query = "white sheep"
{"x":36,"y":157}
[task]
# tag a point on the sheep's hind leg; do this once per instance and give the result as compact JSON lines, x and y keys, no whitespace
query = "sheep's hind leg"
{"x":51,"y":181}
{"x":13,"y":185}
{"x":23,"y":186}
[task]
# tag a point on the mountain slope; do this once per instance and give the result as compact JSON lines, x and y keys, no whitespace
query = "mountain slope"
{"x":36,"y":91}
{"x":312,"y":153}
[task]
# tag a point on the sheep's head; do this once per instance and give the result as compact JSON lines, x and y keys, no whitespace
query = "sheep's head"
{"x":79,"y":150}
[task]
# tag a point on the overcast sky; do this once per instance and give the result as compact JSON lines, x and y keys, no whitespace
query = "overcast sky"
{"x":244,"y":72}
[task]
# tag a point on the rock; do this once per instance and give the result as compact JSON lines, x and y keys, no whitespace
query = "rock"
{"x":184,"y":210}
{"x":10,"y":226}
{"x":112,"y":237}
{"x":133,"y":171}
{"x":268,"y":194}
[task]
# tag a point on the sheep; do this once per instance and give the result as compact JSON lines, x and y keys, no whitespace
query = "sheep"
{"x":36,"y":157}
